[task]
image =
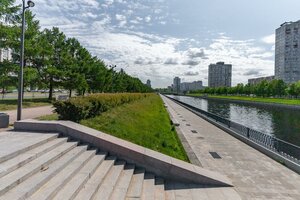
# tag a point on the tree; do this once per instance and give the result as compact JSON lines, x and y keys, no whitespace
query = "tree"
{"x":8,"y":11}
{"x":7,"y":78}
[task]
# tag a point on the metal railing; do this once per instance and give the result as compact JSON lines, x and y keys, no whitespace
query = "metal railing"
{"x":286,"y":149}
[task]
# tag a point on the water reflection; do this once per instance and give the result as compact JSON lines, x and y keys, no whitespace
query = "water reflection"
{"x":283,"y":123}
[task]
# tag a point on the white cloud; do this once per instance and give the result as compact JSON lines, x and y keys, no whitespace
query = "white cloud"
{"x":269,"y":39}
{"x":120,"y":17}
{"x":93,"y":3}
{"x":152,"y":56}
{"x":148,"y":19}
{"x":89,"y":15}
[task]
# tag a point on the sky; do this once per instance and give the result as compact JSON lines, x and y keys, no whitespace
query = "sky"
{"x":161,"y":39}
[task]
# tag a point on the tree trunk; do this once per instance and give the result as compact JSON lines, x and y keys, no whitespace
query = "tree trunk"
{"x":50,"y":90}
{"x":70,"y":93}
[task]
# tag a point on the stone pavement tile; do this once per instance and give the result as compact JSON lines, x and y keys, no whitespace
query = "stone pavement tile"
{"x":29,"y":113}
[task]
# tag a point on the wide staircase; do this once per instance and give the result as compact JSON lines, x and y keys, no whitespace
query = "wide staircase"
{"x":44,"y":166}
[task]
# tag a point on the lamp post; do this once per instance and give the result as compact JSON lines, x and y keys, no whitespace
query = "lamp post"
{"x":30,"y":4}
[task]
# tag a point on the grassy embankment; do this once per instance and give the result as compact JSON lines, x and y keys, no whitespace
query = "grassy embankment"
{"x":255,"y":99}
{"x":144,"y":122}
{"x":11,"y":104}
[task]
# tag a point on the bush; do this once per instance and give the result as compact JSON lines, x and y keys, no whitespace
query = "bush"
{"x":78,"y":108}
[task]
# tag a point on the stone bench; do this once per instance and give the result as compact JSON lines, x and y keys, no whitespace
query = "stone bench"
{"x":62,"y":97}
{"x":4,"y":120}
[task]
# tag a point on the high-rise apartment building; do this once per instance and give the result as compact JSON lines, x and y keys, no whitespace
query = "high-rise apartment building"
{"x":148,"y":83}
{"x":176,"y":85}
{"x":254,"y":81}
{"x":191,"y":86}
{"x":219,"y":75}
{"x":287,"y":52}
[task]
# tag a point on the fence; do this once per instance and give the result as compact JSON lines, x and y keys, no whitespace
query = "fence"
{"x":287,"y":150}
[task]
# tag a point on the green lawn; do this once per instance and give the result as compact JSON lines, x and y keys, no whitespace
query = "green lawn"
{"x":11,"y":104}
{"x":144,"y":122}
{"x":256,"y":99}
{"x":51,"y":117}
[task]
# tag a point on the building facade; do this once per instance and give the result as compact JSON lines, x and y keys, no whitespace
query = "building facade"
{"x":5,"y":54}
{"x":287,"y":52}
{"x":219,"y":75}
{"x":148,"y":83}
{"x":254,"y":81}
{"x":176,"y":84}
{"x":186,"y":87}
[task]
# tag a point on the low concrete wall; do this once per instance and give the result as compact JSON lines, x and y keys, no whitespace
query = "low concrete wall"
{"x":4,"y":120}
{"x":290,"y":164}
{"x":157,"y":163}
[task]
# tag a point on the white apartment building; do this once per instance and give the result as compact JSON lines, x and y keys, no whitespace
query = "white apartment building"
{"x":287,"y":52}
{"x":191,"y":86}
{"x":176,"y":84}
{"x":219,"y":75}
{"x":5,"y":54}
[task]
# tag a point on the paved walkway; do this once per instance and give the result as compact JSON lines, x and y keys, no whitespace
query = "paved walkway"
{"x":254,"y":175}
{"x":29,"y":113}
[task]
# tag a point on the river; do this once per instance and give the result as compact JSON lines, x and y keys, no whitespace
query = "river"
{"x":281,"y":122}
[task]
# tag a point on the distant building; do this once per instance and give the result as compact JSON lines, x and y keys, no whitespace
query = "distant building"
{"x":176,"y":85}
{"x":148,"y":83}
{"x":254,"y":81}
{"x":5,"y":54}
{"x":287,"y":52}
{"x":219,"y":75}
{"x":186,"y":87}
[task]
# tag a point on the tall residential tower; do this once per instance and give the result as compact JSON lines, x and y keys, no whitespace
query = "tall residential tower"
{"x":219,"y":75}
{"x":176,"y":84}
{"x":287,"y":52}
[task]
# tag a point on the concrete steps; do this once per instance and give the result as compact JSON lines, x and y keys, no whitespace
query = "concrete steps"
{"x":35,"y":182}
{"x":50,"y":189}
{"x":22,"y":143}
{"x":23,"y":158}
{"x":91,"y":187}
{"x":106,"y":188}
{"x":48,"y":167}
{"x":136,"y":185}
{"x":122,"y":185}
{"x":16,"y":177}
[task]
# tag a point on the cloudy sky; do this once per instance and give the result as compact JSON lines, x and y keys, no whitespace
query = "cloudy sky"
{"x":161,"y":39}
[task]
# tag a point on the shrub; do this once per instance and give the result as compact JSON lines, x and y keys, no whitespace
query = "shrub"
{"x":78,"y":108}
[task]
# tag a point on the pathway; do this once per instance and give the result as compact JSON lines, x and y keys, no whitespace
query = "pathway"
{"x":254,"y":175}
{"x":29,"y":113}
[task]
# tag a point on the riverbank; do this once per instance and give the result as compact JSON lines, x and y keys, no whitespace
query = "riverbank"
{"x":285,"y":103}
{"x":237,"y":160}
{"x":144,"y":122}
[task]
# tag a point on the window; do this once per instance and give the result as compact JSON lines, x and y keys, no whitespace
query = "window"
{"x":295,"y":30}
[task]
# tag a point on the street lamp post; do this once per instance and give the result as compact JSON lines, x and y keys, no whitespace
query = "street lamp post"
{"x":20,"y":90}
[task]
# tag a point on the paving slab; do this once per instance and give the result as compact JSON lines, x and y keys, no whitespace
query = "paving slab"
{"x":29,"y":113}
{"x":254,"y":175}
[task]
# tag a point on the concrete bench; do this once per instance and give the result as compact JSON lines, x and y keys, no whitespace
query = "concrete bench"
{"x":62,"y":97}
{"x":4,"y":120}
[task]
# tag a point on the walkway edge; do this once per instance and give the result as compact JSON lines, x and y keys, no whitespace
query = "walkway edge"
{"x":275,"y":156}
{"x":154,"y":162}
{"x":188,"y":149}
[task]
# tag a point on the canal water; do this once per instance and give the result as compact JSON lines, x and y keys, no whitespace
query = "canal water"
{"x":281,"y":122}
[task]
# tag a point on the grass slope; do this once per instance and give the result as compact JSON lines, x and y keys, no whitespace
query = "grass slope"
{"x":144,"y":122}
{"x":256,"y":99}
{"x":11,"y":104}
